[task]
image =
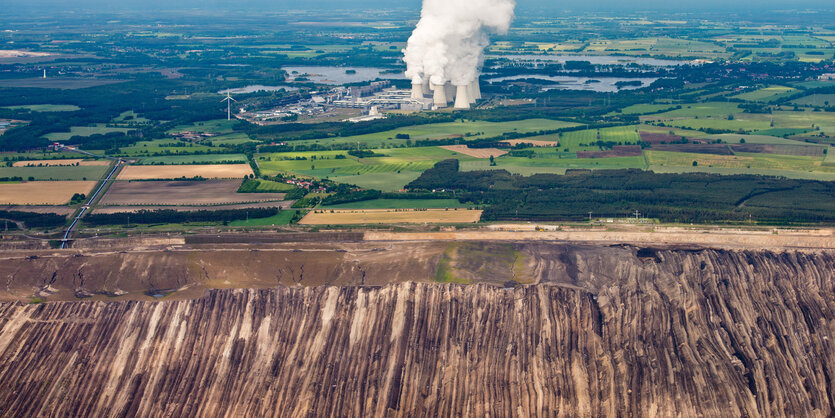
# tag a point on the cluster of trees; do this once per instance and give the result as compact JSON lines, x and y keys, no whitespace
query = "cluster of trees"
{"x":170,"y":216}
{"x":688,"y":197}
{"x":32,"y":219}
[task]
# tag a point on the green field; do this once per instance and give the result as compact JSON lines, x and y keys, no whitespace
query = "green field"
{"x":164,"y":146}
{"x":91,"y":172}
{"x":130,"y":117}
{"x":816,"y":100}
{"x":699,"y":110}
{"x":580,"y":140}
{"x":659,"y":159}
{"x":642,"y":109}
{"x":83,"y":131}
{"x":217,"y":126}
{"x":388,"y":182}
{"x":399,"y":204}
{"x":767,"y":94}
{"x":281,"y":218}
{"x":466,"y":130}
{"x":46,"y":108}
{"x":193,"y":159}
{"x":268,"y":186}
{"x":325,"y":163}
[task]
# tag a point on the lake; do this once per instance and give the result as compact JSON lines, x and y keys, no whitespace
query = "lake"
{"x":257,"y":87}
{"x":594,"y":59}
{"x":338,"y":75}
{"x":605,"y":85}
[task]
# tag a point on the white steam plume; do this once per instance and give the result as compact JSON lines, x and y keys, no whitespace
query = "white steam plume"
{"x":449,"y":40}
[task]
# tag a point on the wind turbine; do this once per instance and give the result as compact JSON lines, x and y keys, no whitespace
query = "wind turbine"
{"x":228,"y":99}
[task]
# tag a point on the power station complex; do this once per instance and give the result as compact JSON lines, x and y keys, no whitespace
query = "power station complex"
{"x":442,"y":95}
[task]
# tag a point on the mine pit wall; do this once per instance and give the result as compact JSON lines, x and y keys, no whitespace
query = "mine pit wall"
{"x":607,"y":332}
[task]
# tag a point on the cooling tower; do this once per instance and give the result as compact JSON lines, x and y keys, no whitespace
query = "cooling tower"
{"x":417,"y":90}
{"x":426,"y":90}
{"x":462,"y":97}
{"x":450,"y":92}
{"x":475,"y":91}
{"x":439,"y":96}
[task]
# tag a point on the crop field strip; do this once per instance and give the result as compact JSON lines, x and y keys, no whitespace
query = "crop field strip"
{"x":166,"y":193}
{"x":209,"y":171}
{"x":389,"y":216}
{"x":42,"y":192}
{"x":60,"y":163}
{"x":56,"y":173}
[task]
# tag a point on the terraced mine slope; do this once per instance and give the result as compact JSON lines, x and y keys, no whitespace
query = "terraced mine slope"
{"x":607,"y":331}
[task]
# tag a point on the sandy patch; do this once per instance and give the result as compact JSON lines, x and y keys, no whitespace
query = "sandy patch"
{"x":209,"y":171}
{"x":475,"y":152}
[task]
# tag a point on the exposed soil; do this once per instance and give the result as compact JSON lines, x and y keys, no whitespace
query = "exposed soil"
{"x":607,"y":331}
{"x":165,"y":193}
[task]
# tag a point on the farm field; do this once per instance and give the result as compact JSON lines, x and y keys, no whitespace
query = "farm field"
{"x":390,"y":216}
{"x":56,"y":83}
{"x":387,"y":182}
{"x":475,"y":152}
{"x":767,"y":94}
{"x":523,"y":165}
{"x":534,"y":142}
{"x":84,"y":131}
{"x":281,"y":218}
{"x":701,"y":110}
{"x":399,"y":204}
{"x":165,"y":147}
{"x":216,"y":126}
{"x":42,"y":192}
{"x":327,"y":164}
{"x":46,"y":108}
{"x":802,"y":175}
{"x":816,"y":100}
{"x":193,"y":159}
{"x":162,"y":172}
{"x":164,"y":193}
{"x":463,"y":129}
{"x":60,"y":163}
{"x":264,"y":186}
{"x":574,"y":141}
{"x":88,"y":172}
{"x":739,"y":161}
{"x":642,"y":109}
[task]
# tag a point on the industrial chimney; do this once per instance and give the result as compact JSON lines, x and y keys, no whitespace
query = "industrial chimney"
{"x":462,"y":97}
{"x":439,"y":96}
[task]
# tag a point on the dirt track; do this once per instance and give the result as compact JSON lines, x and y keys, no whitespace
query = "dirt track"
{"x":714,"y":239}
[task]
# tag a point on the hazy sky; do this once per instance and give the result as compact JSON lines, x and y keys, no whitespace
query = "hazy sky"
{"x":597,"y":5}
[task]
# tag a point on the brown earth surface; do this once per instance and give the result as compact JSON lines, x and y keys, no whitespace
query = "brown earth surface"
{"x":475,"y":152}
{"x":209,"y":171}
{"x":605,"y":331}
{"x":166,"y":193}
{"x":616,"y":151}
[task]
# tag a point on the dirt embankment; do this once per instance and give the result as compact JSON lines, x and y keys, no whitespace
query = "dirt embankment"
{"x":609,"y":331}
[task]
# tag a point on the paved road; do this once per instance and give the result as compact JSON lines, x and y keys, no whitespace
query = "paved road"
{"x":89,"y":201}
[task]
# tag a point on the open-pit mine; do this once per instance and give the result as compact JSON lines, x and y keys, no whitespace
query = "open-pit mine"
{"x":376,"y":324}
